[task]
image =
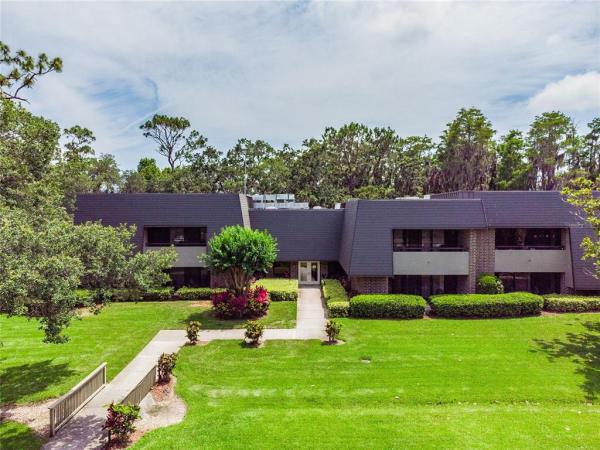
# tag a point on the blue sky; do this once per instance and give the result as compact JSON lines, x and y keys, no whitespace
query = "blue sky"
{"x":284,"y":71}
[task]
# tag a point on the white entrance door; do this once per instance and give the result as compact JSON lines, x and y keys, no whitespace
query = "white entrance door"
{"x":309,"y":272}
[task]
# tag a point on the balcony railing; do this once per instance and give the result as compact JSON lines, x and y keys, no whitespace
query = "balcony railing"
{"x":423,"y":248}
{"x":530,"y":247}
{"x":176,"y":244}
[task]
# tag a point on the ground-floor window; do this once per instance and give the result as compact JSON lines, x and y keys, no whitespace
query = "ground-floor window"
{"x":538,"y":283}
{"x":190,"y":277}
{"x":282,"y":269}
{"x":424,"y":285}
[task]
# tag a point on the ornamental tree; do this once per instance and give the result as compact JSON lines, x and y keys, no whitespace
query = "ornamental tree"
{"x":238,"y":253}
{"x":583,"y":194}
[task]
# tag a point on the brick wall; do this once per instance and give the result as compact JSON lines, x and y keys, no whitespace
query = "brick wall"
{"x":482,"y":255}
{"x":369,"y":285}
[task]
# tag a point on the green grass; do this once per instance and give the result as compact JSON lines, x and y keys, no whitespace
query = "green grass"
{"x":504,"y":383}
{"x":31,"y":370}
{"x":16,"y":436}
{"x":278,"y":284}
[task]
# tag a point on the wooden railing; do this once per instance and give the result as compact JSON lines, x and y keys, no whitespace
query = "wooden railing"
{"x":141,"y":390}
{"x":67,"y":406}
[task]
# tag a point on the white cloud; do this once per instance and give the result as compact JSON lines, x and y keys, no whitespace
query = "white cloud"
{"x":572,"y":93}
{"x":284,"y":71}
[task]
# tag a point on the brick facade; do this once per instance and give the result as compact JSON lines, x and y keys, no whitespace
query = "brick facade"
{"x":369,"y":285}
{"x":482,"y":255}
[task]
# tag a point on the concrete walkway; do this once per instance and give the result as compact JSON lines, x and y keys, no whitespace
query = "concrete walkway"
{"x":84,"y":431}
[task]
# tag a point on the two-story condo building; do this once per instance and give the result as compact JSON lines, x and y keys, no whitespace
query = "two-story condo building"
{"x":531,"y":240}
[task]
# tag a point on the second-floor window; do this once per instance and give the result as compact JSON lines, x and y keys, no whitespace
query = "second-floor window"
{"x":407,"y":240}
{"x":532,"y":238}
{"x":177,"y":236}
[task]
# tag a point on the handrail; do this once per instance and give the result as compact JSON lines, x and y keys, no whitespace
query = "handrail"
{"x":142,"y":388}
{"x":66,"y":406}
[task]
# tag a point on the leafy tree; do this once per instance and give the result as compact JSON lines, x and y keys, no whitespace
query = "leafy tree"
{"x":23,"y":71}
{"x":550,"y":137}
{"x":238,"y":253}
{"x":583,"y":193}
{"x":171,"y":135}
{"x":204,"y":172}
{"x":511,"y":169}
{"x":466,"y":153}
{"x":39,"y":269}
{"x":255,"y":167}
{"x":591,"y":160}
{"x":408,"y":164}
{"x":28,"y":144}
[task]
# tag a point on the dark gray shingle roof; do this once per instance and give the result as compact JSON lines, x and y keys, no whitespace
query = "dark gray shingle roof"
{"x":306,"y":234}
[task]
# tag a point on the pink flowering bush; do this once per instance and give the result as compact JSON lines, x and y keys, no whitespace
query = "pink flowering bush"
{"x":254,"y":303}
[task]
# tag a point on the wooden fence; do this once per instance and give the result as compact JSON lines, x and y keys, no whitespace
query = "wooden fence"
{"x":67,"y":406}
{"x":141,"y":390}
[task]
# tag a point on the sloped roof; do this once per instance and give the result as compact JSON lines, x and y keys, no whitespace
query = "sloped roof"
{"x":214,"y":211}
{"x":304,"y":234}
{"x":525,"y":209}
{"x":368,"y":226}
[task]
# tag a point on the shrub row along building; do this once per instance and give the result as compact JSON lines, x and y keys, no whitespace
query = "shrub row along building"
{"x":531,"y":240}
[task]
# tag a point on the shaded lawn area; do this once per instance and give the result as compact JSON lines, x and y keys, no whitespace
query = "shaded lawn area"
{"x":510,"y":383}
{"x":31,"y":370}
{"x":16,"y":436}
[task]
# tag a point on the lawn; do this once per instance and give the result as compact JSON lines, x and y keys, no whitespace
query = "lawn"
{"x":505,"y":383}
{"x":31,"y":370}
{"x":279,"y":284}
{"x":16,"y":436}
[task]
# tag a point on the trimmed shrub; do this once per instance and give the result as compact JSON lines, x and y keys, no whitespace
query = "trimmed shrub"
{"x":515,"y":304}
{"x":120,"y":420}
{"x":125,"y":295}
{"x":571,"y":303}
{"x":488,"y":283}
{"x":333,"y":329}
{"x":83,"y":296}
{"x":395,"y":306}
{"x":192,"y":330}
{"x":201,"y":293}
{"x":338,"y":309}
{"x":280,"y":289}
{"x":254,"y":331}
{"x":333,"y":291}
{"x":166,"y":364}
{"x":253,"y":304}
{"x":158,"y":294}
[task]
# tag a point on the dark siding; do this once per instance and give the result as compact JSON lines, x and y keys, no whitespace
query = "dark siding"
{"x":308,"y":234}
{"x":583,"y":271}
{"x":372,"y":253}
{"x":214,"y":211}
{"x":527,"y":209}
{"x":347,"y":238}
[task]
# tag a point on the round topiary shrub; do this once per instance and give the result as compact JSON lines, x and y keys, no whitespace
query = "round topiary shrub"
{"x":488,"y":283}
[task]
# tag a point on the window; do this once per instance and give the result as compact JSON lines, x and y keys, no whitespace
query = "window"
{"x":451,"y":239}
{"x":282,"y":269}
{"x":177,"y":236}
{"x":159,"y":236}
{"x":406,"y":284}
{"x":532,"y":238}
{"x":407,"y":240}
{"x":543,"y":238}
{"x":190,"y":277}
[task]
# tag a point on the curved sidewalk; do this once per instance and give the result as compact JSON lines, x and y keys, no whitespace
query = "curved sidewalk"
{"x":84,"y":431}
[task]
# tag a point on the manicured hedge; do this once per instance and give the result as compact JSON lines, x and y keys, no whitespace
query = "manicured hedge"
{"x":126,"y":295}
{"x":338,"y":308}
{"x":333,"y":291}
{"x":514,"y":304}
{"x":280,"y":289}
{"x":200,"y":293}
{"x":158,"y":294}
{"x":571,"y":303}
{"x":396,"y":306}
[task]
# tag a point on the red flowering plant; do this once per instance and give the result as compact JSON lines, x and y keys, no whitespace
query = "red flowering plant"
{"x":254,"y":303}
